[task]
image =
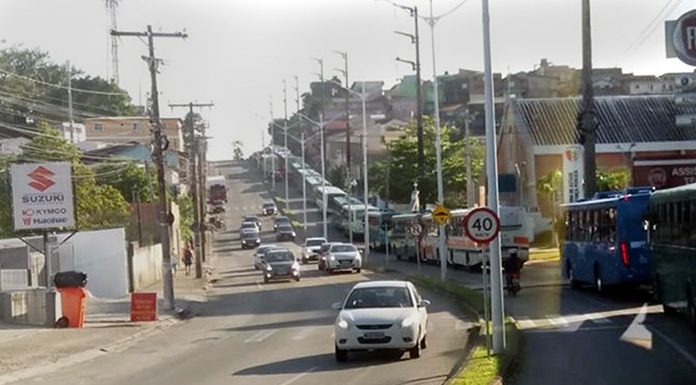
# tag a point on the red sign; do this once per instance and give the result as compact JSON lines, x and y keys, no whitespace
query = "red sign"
{"x":143,"y":307}
{"x":664,"y":174}
{"x":482,"y":225}
{"x":41,"y":178}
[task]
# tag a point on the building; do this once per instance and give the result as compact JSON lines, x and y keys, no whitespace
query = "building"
{"x":123,"y":129}
{"x":646,"y":135}
{"x":12,"y":146}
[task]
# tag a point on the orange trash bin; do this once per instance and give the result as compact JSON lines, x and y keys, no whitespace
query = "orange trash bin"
{"x":73,"y":303}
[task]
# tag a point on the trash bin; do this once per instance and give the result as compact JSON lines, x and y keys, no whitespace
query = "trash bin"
{"x":70,"y":279}
{"x":73,"y":300}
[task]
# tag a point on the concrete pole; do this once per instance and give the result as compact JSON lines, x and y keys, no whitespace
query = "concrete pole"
{"x":497,"y":304}
{"x":304,"y":185}
{"x":270,"y":104}
{"x":366,"y":237}
{"x":438,"y":150}
{"x":323,"y":172}
{"x":469,"y":182}
{"x":285,"y":130}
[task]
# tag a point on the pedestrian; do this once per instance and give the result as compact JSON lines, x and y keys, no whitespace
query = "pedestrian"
{"x":175,"y":261}
{"x":188,"y":259}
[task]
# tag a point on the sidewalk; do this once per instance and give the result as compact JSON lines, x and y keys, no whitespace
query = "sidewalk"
{"x":31,"y":351}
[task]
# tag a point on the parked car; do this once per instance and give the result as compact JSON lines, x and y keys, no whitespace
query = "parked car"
{"x":285,"y":232}
{"x":260,"y":254}
{"x":280,"y":264}
{"x":269,"y":209}
{"x":279,"y":220}
{"x":250,"y":239}
{"x":310,"y":252}
{"x":252,"y":218}
{"x":343,"y":256}
{"x":324,"y":253}
{"x":381,"y":315}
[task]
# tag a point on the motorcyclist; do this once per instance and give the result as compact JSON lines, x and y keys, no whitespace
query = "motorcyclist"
{"x":512,"y":266}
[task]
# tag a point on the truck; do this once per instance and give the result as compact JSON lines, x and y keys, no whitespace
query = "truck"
{"x":217,"y":192}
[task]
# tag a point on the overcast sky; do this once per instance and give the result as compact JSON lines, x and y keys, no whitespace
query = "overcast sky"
{"x":239,"y":51}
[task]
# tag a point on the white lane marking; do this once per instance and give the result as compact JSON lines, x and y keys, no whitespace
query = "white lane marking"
{"x":636,"y":332}
{"x":526,"y":323}
{"x":260,"y":336}
{"x":676,"y":347}
{"x":304,"y":333}
{"x":597,"y":318}
{"x":583,"y":330}
{"x":297,"y":377}
{"x":557,"y":321}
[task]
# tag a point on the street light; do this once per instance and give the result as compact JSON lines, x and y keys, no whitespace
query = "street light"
{"x":285,"y":128}
{"x":344,"y":71}
{"x":302,"y":142}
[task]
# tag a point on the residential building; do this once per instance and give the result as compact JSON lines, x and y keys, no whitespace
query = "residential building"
{"x":124,"y":129}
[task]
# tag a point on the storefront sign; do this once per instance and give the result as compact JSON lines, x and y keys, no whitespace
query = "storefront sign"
{"x":143,"y":307}
{"x":664,"y":173}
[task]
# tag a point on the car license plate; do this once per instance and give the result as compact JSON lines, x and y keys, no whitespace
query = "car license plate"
{"x":374,"y":335}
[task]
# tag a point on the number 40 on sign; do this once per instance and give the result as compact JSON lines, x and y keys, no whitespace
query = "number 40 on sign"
{"x":482,"y":225}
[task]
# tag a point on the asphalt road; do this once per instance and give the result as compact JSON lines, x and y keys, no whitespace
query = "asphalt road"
{"x":574,"y":336}
{"x":278,"y":333}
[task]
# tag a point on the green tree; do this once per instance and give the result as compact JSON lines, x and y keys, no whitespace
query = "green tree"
{"x":401,"y":168}
{"x":96,"y":206}
{"x":131,"y":179}
{"x":615,"y":179}
{"x":551,"y":185}
{"x":185,"y":203}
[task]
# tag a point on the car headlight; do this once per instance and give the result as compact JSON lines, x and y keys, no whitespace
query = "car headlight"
{"x":342,"y":323}
{"x":296,"y":266}
{"x":332,"y":258}
{"x":269,"y":268}
{"x":293,"y":234}
{"x":408,"y":321}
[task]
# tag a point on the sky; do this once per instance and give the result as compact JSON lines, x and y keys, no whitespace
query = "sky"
{"x":239,"y":51}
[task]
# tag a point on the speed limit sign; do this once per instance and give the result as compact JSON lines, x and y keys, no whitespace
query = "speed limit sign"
{"x":482,"y":225}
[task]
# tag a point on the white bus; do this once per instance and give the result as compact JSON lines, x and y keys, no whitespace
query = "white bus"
{"x":329,"y":192}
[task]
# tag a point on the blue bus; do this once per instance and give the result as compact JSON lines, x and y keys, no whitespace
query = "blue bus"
{"x":605,"y":240}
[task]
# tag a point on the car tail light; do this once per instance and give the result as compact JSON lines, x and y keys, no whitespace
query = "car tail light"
{"x":520,"y":240}
{"x":625,"y":257}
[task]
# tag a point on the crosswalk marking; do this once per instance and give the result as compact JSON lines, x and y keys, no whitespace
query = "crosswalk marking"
{"x":526,"y":323}
{"x":568,"y":322}
{"x":557,"y":321}
{"x":597,"y":318}
{"x":304,"y":333}
{"x":260,"y":336}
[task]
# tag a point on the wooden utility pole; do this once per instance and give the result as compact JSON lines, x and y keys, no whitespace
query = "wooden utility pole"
{"x":194,"y":157}
{"x":588,"y":128}
{"x":160,"y":146}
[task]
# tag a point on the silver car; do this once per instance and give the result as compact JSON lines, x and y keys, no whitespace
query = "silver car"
{"x":343,"y":256}
{"x":280,"y":264}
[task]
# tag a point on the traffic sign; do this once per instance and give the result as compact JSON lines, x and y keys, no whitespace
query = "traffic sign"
{"x":482,"y":225}
{"x":415,"y":229}
{"x":681,"y":38}
{"x":441,"y":214}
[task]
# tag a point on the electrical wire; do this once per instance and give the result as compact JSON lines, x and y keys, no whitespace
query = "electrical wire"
{"x":664,"y":12}
{"x":62,"y":86}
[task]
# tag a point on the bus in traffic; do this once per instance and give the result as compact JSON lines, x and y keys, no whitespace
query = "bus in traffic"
{"x":670,"y":219}
{"x":605,"y":240}
{"x":401,"y":242}
{"x":379,"y":225}
{"x":326,"y":191}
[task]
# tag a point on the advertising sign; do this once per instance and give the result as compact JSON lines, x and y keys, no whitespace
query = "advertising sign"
{"x":42,"y":195}
{"x":664,"y":173}
{"x":681,"y":38}
{"x":143,"y":307}
{"x":573,"y":174}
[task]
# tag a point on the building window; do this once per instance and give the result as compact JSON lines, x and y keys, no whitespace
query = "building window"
{"x":98,"y":127}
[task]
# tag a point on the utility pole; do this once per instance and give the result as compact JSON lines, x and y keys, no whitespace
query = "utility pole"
{"x":304,"y":184}
{"x":588,"y":128}
{"x":497,"y":301}
{"x":344,"y":71}
{"x":415,"y":39}
{"x":159,"y":148}
{"x":273,"y":165}
{"x":285,"y":131}
{"x":469,"y":181}
{"x":71,"y":118}
{"x":194,"y":158}
{"x":202,"y":149}
{"x":323,"y":146}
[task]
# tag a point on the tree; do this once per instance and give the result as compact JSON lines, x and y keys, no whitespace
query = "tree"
{"x":551,"y":186}
{"x":237,"y":146}
{"x":96,"y":206}
{"x":185,"y":203}
{"x":132,"y":180}
{"x":615,"y":179}
{"x":400,"y":171}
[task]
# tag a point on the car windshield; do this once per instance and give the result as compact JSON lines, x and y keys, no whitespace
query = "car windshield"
{"x":315,"y":242}
{"x":342,"y":248}
{"x":251,"y":219}
{"x":250,"y":235}
{"x":248,"y":225}
{"x":268,"y":205}
{"x":285,"y":228}
{"x":279,"y":256}
{"x":281,"y":219}
{"x":377,"y":297}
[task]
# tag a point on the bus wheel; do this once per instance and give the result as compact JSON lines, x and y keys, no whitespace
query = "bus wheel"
{"x":599,"y":283}
{"x":690,"y":307}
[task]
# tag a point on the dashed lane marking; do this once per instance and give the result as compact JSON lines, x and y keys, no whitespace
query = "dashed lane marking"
{"x":260,"y":336}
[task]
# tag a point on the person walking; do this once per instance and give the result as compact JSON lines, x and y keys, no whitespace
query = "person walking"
{"x":188,"y":259}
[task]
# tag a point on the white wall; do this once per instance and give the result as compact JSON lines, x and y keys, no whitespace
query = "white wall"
{"x":102,"y":256}
{"x":147,"y":266}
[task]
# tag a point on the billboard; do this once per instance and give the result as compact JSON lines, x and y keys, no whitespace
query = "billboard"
{"x":664,"y":173}
{"x":42,"y":195}
{"x":680,"y":38}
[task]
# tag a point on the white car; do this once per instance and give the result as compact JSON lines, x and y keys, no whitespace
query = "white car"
{"x":381,"y":315}
{"x":310,"y":251}
{"x":260,"y":253}
{"x":343,"y":256}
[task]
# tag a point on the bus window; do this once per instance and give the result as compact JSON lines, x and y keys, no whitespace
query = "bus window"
{"x":594,"y":215}
{"x":612,"y":225}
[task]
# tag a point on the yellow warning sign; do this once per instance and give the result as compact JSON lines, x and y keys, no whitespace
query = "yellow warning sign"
{"x":441,"y":214}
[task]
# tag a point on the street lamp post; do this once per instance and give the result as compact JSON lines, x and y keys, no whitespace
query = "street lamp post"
{"x":302,"y":144}
{"x":366,"y":237}
{"x":321,"y":136}
{"x":270,"y":104}
{"x":285,"y":129}
{"x":344,"y":71}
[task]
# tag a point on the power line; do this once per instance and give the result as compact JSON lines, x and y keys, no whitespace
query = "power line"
{"x":665,"y":11}
{"x":63,"y":87}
